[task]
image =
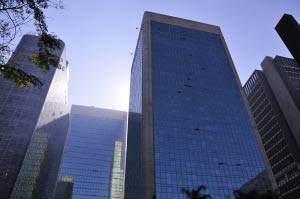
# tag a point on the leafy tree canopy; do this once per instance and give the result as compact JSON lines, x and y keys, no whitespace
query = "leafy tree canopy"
{"x":196,"y":193}
{"x":14,"y":14}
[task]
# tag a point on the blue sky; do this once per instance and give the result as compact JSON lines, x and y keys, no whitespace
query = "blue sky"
{"x":100,"y":36}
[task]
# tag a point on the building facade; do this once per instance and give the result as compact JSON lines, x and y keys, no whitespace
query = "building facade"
{"x":261,"y":184}
{"x":93,"y":151}
{"x":289,"y":31}
{"x":188,"y":124}
{"x":33,"y":127}
{"x":117,"y":173}
{"x":273,"y":95}
{"x":64,"y":188}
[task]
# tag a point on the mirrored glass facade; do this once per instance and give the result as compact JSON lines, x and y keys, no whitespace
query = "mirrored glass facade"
{"x":201,"y":130}
{"x":92,"y":155}
{"x":33,"y":127}
{"x":117,"y":173}
{"x":133,"y":153}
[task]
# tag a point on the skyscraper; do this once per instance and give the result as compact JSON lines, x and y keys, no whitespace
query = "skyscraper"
{"x":93,"y":151}
{"x":33,"y":127}
{"x":289,"y":31}
{"x":273,"y":96}
{"x":188,"y":124}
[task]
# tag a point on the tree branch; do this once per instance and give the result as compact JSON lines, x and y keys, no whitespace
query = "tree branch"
{"x":13,"y":8}
{"x":15,"y":27}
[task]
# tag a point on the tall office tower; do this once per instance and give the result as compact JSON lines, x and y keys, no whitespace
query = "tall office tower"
{"x":33,"y":127}
{"x":289,"y":31}
{"x":188,"y":124}
{"x":93,"y":151}
{"x":274,"y":98}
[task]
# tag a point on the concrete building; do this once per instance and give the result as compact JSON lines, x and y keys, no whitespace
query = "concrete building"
{"x":33,"y":127}
{"x":261,"y":184}
{"x":188,"y":124}
{"x":274,"y":97}
{"x":93,"y":153}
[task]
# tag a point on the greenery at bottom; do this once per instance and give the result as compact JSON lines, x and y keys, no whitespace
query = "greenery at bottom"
{"x":199,"y":193}
{"x":196,"y":193}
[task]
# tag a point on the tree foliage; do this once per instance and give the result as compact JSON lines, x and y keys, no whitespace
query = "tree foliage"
{"x":196,"y":193}
{"x":14,"y":14}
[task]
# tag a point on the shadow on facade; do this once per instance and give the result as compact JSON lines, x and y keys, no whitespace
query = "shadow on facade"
{"x":39,"y":171}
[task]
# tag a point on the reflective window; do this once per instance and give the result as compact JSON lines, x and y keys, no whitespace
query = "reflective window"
{"x":202,"y":132}
{"x":93,"y":152}
{"x":133,"y":164}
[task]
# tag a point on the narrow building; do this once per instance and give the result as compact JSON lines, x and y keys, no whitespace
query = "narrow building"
{"x":33,"y":127}
{"x":289,"y":31}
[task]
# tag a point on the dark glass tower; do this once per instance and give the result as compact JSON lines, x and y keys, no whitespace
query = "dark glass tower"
{"x":92,"y":156}
{"x":289,"y":31}
{"x":273,"y":96}
{"x":188,"y":124}
{"x":33,"y":127}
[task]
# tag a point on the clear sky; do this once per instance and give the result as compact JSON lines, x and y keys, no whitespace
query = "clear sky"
{"x":100,"y":36}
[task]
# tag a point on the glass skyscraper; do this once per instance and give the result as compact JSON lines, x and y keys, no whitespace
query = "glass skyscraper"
{"x":33,"y":127}
{"x":188,"y":123}
{"x":92,"y":155}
